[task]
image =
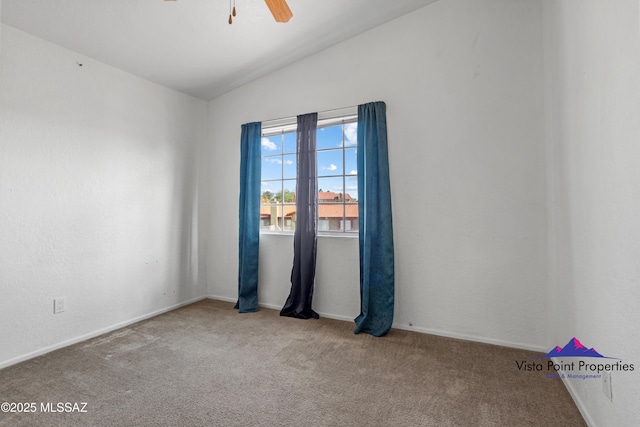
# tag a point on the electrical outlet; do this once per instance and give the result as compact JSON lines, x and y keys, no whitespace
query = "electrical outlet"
{"x":606,"y":385}
{"x":58,"y":305}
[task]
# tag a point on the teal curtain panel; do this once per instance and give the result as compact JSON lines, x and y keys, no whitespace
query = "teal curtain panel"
{"x":249,"y":213}
{"x":376,"y":228}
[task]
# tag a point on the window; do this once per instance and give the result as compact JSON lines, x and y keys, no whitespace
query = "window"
{"x":337,"y":176}
{"x":278,"y":189}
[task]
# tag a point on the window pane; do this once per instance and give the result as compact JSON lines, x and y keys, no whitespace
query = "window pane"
{"x":350,"y":134}
{"x":330,"y":137}
{"x":289,"y":192}
{"x":329,"y":189}
{"x":351,"y":208}
{"x":268,"y":190}
{"x":323,"y":225}
{"x":289,"y":166}
{"x":330,"y":162}
{"x":331,"y":216}
{"x":350,"y":161}
{"x":351,"y":189}
{"x":268,"y":217}
{"x":290,"y":142}
{"x":271,"y":145}
{"x":289,"y":209}
{"x":271,"y":168}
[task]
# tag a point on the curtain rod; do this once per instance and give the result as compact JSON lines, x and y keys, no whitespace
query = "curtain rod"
{"x":327,"y":114}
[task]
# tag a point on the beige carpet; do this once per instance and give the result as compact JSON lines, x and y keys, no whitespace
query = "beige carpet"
{"x":207,"y":365}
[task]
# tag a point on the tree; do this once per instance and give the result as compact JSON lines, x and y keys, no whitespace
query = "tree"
{"x":267,"y":197}
{"x":289,"y":196}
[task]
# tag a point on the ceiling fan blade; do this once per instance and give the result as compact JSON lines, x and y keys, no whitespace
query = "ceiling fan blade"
{"x":279,"y":9}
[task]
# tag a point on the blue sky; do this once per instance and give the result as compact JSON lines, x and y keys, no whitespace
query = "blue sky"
{"x":330,"y":162}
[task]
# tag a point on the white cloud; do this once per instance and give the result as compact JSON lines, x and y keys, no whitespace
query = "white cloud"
{"x":278,"y":161}
{"x":353,"y":172}
{"x":351,"y":134}
{"x":267,"y":144}
{"x":331,"y":167}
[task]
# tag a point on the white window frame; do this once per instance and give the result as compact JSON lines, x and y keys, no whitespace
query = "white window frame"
{"x":326,"y":119}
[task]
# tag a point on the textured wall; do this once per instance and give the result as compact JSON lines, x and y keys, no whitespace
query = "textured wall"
{"x":593,"y":105}
{"x":463,"y":83}
{"x":97,"y":196}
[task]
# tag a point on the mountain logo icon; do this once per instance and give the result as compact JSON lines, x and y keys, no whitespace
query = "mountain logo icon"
{"x":574,"y":348}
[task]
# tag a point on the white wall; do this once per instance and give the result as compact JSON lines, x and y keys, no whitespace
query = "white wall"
{"x":97,"y":196}
{"x":99,"y":183}
{"x":593,"y":129}
{"x":463,"y":83}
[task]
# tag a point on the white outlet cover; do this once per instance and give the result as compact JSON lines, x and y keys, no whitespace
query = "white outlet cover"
{"x":58,"y":305}
{"x":606,"y":385}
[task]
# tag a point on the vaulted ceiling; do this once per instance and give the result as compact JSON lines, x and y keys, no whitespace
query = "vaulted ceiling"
{"x":188,"y":45}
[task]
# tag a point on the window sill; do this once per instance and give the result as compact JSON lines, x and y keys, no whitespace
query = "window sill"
{"x":350,"y":235}
{"x":276,"y":233}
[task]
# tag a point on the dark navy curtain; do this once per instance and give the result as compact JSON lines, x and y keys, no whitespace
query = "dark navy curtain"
{"x":303,"y":273}
{"x":249,"y":233}
{"x":375,"y":227}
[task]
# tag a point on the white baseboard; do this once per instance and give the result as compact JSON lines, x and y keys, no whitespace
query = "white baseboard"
{"x":474,"y":338}
{"x":94,"y":334}
{"x":405,"y":327}
{"x":226,"y":299}
{"x":279,"y":307}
